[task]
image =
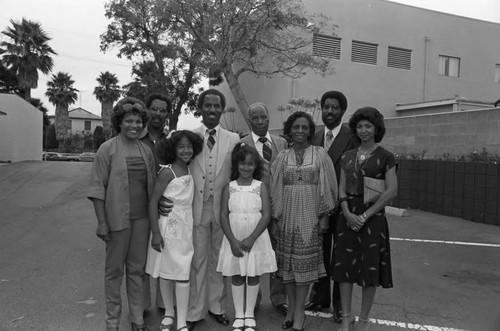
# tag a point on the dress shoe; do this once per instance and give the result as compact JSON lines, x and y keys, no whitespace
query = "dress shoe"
{"x":287,"y":324}
{"x":282,"y":308}
{"x":220,"y":318}
{"x":314,"y":306}
{"x":337,"y":316}
{"x":190,"y":325}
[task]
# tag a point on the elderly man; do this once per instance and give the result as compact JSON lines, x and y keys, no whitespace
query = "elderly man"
{"x":336,"y":138}
{"x":211,"y":170}
{"x":268,"y":147}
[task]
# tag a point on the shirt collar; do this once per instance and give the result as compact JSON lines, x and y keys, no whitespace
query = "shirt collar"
{"x":256,"y":137}
{"x":335,"y":131}
{"x":205,"y":133}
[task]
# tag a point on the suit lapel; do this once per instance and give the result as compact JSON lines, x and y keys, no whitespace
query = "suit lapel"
{"x":200,"y":157}
{"x":338,"y":145}
{"x":222,"y":149}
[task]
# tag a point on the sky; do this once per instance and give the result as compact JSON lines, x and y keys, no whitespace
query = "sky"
{"x":75,"y":27}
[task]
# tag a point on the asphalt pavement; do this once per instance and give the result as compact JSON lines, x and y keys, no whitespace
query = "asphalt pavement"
{"x":446,"y":270}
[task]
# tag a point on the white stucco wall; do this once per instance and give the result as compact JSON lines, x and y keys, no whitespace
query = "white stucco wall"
{"x":20,"y":130}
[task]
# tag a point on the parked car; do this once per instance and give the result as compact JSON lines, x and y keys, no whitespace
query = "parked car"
{"x":54,"y":156}
{"x":87,"y":157}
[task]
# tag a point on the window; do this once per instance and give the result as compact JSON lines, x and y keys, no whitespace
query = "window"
{"x":363,"y":52}
{"x":399,"y":58}
{"x":326,"y":46}
{"x":87,"y":126}
{"x":497,"y":73}
{"x":449,"y":66}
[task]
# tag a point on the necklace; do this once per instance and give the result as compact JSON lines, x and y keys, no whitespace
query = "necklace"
{"x":363,"y":154}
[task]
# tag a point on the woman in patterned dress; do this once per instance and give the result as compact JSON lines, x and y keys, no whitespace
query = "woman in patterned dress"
{"x":303,"y":193}
{"x":362,"y":249}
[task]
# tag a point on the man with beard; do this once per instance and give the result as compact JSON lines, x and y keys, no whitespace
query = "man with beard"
{"x":211,"y":171}
{"x":336,"y":138}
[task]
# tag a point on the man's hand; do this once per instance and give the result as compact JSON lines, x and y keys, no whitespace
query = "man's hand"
{"x":165,"y":206}
{"x":103,"y":232}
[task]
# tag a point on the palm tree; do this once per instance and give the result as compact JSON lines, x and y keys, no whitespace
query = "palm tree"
{"x":26,"y":53}
{"x":107,"y":92}
{"x":61,"y":94}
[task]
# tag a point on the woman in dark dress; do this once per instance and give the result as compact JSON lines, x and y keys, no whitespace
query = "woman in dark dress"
{"x":362,"y":249}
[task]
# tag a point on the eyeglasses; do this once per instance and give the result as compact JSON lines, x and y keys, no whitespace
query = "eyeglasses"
{"x":331,"y":107}
{"x":161,"y":110}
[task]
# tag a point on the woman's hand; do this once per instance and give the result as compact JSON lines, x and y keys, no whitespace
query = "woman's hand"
{"x":236,"y":248}
{"x":103,"y":232}
{"x":355,"y":222}
{"x":157,"y":242}
{"x":247,"y":244}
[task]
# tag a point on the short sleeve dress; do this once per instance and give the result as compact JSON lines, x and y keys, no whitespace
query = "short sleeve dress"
{"x":174,"y":261}
{"x":300,"y":194}
{"x":363,"y":257}
{"x":245,"y":205}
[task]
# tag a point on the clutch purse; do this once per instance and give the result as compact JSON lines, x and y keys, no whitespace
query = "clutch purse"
{"x":372,"y":189}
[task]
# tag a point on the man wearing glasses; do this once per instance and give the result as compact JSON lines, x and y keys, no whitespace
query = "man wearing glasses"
{"x":336,"y":138}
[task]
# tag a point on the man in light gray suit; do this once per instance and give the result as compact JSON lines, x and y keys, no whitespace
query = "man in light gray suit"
{"x":268,"y":147}
{"x":211,"y":170}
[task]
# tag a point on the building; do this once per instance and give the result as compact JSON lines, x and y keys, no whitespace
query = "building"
{"x":81,"y":120}
{"x":392,"y":56}
{"x":21,"y":129}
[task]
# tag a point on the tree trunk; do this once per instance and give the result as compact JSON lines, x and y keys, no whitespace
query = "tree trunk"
{"x":27,"y":94}
{"x":61,"y":122}
{"x":238,"y":94}
{"x":106,"y":107}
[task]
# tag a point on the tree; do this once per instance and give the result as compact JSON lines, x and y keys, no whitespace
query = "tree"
{"x":50,"y":137}
{"x":261,"y":37}
{"x":46,"y":122}
{"x":107,"y":92}
{"x":26,"y":52}
{"x":167,"y":60}
{"x":61,"y":94}
{"x":98,"y":136}
{"x":8,"y":82}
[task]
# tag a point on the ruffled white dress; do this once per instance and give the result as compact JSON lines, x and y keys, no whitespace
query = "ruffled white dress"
{"x":174,"y":261}
{"x":244,"y":214}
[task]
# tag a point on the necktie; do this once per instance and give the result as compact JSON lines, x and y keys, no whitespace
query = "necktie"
{"x":211,"y":139}
{"x":267,"y":152}
{"x":329,"y":140}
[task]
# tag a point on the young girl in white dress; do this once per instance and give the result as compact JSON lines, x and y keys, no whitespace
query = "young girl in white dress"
{"x":171,"y":251}
{"x":246,"y":252}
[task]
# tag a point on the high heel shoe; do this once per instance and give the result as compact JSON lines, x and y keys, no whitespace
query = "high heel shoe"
{"x":287,"y":324}
{"x":348,"y":319}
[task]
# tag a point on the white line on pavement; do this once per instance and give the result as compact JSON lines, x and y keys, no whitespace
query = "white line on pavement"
{"x":447,"y":242}
{"x":403,"y":325}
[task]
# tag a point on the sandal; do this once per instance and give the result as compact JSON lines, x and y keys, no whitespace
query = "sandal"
{"x":164,"y":326}
{"x":138,"y":327}
{"x":241,"y":327}
{"x":252,"y":325}
{"x":183,"y":328}
{"x":363,"y":324}
{"x":351,"y":320}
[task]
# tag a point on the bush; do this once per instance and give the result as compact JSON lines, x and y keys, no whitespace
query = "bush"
{"x":50,"y":139}
{"x":99,"y":137}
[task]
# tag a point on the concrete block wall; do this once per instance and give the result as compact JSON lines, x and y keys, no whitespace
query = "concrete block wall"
{"x":456,"y":133}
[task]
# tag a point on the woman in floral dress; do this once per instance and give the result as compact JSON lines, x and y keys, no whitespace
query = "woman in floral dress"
{"x":303,"y":193}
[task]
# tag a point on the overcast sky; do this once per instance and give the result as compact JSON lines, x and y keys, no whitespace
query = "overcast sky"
{"x":75,"y":26}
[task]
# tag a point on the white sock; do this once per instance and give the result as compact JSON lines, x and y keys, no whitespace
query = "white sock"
{"x":238,"y":300}
{"x":167,"y":293}
{"x":182,"y":299}
{"x":252,"y":293}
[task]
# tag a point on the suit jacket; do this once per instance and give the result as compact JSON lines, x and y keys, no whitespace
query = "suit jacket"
{"x":277,"y":145}
{"x":226,"y":141}
{"x":343,"y":142}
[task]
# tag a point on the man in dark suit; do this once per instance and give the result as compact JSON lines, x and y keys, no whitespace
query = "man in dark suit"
{"x":268,"y":147}
{"x":336,"y":138}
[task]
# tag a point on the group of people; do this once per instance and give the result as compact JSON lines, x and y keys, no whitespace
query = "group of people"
{"x":192,"y":207}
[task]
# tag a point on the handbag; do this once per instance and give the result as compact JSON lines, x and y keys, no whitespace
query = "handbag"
{"x":372,"y":189}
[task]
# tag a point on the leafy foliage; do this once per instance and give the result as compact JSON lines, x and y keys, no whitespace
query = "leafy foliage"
{"x":98,"y":137}
{"x":107,"y":92}
{"x":26,"y":52}
{"x":61,"y":94}
{"x":50,"y":138}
